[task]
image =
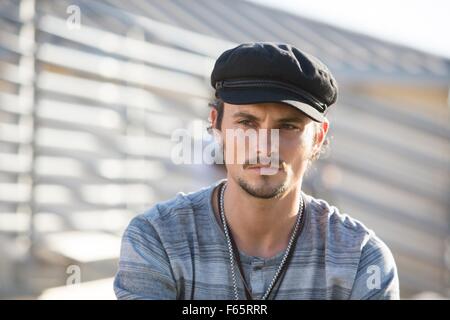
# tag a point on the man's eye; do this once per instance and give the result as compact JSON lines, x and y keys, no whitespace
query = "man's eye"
{"x":288,"y":127}
{"x":245,"y":122}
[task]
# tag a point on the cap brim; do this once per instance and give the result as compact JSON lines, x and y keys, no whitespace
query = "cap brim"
{"x":264,"y":94}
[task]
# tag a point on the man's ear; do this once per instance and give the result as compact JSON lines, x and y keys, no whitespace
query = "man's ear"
{"x":212,"y":118}
{"x":323,"y":131}
{"x":320,"y":135}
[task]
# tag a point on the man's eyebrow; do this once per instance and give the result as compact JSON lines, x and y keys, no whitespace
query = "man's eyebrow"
{"x":245,"y":115}
{"x":291,"y":119}
{"x":250,"y":116}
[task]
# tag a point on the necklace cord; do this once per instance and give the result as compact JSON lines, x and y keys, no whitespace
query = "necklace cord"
{"x":234,"y":252}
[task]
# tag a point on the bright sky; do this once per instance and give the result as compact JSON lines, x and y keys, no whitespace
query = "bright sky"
{"x":421,"y":24}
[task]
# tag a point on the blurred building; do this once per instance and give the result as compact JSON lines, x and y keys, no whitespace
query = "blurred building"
{"x":91,"y":91}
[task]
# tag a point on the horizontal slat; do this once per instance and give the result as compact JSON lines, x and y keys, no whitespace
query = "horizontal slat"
{"x":100,"y":194}
{"x":10,"y":12}
{"x":393,"y":133}
{"x":106,"y":93}
{"x":15,"y":163}
{"x":114,"y":69}
{"x":73,"y":140}
{"x":414,"y":241}
{"x":15,"y":192}
{"x":176,"y":36}
{"x":86,"y":142}
{"x":384,"y":164}
{"x":11,"y":42}
{"x":89,"y":220}
{"x":129,"y":48}
{"x":15,"y":104}
{"x":360,"y":102}
{"x":10,"y":72}
{"x":83,"y":247}
{"x":79,"y":115}
{"x":19,"y":222}
{"x":410,"y":208}
{"x":15,"y":133}
{"x":12,"y":222}
{"x":97,"y":170}
{"x":108,"y":121}
{"x":100,"y":220}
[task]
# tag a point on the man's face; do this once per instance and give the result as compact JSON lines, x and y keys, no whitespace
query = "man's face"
{"x":298,"y":140}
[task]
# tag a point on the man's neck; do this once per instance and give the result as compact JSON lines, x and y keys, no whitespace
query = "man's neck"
{"x":260,"y":227}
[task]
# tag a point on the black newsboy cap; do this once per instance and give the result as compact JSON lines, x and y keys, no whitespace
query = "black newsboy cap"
{"x":270,"y":72}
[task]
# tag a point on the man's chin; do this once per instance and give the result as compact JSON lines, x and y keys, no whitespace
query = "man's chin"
{"x":262,"y":189}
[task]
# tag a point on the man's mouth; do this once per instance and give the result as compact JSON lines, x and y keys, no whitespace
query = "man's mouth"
{"x":259,"y":167}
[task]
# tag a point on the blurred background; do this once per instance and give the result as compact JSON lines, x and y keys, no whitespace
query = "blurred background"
{"x":91,"y":92}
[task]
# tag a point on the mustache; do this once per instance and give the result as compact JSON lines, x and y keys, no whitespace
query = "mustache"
{"x":265,"y":161}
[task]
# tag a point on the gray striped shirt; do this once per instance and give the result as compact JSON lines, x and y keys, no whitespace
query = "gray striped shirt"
{"x":177,"y":250}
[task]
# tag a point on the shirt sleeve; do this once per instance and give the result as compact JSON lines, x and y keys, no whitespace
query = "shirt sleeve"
{"x":144,"y":270}
{"x":376,"y":278}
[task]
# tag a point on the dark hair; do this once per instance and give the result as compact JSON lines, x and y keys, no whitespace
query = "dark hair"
{"x":217,"y":104}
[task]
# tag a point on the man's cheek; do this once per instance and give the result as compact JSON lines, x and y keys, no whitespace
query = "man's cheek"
{"x":295,"y":154}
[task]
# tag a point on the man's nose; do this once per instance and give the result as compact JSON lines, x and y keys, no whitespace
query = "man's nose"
{"x":268,"y":139}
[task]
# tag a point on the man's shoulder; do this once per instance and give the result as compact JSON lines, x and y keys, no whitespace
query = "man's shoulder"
{"x":349,"y":242}
{"x":337,"y":227}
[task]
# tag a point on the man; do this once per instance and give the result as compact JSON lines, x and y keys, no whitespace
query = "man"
{"x":256,"y":234}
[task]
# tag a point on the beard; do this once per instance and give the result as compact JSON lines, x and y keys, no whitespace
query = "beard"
{"x":265,"y":191}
